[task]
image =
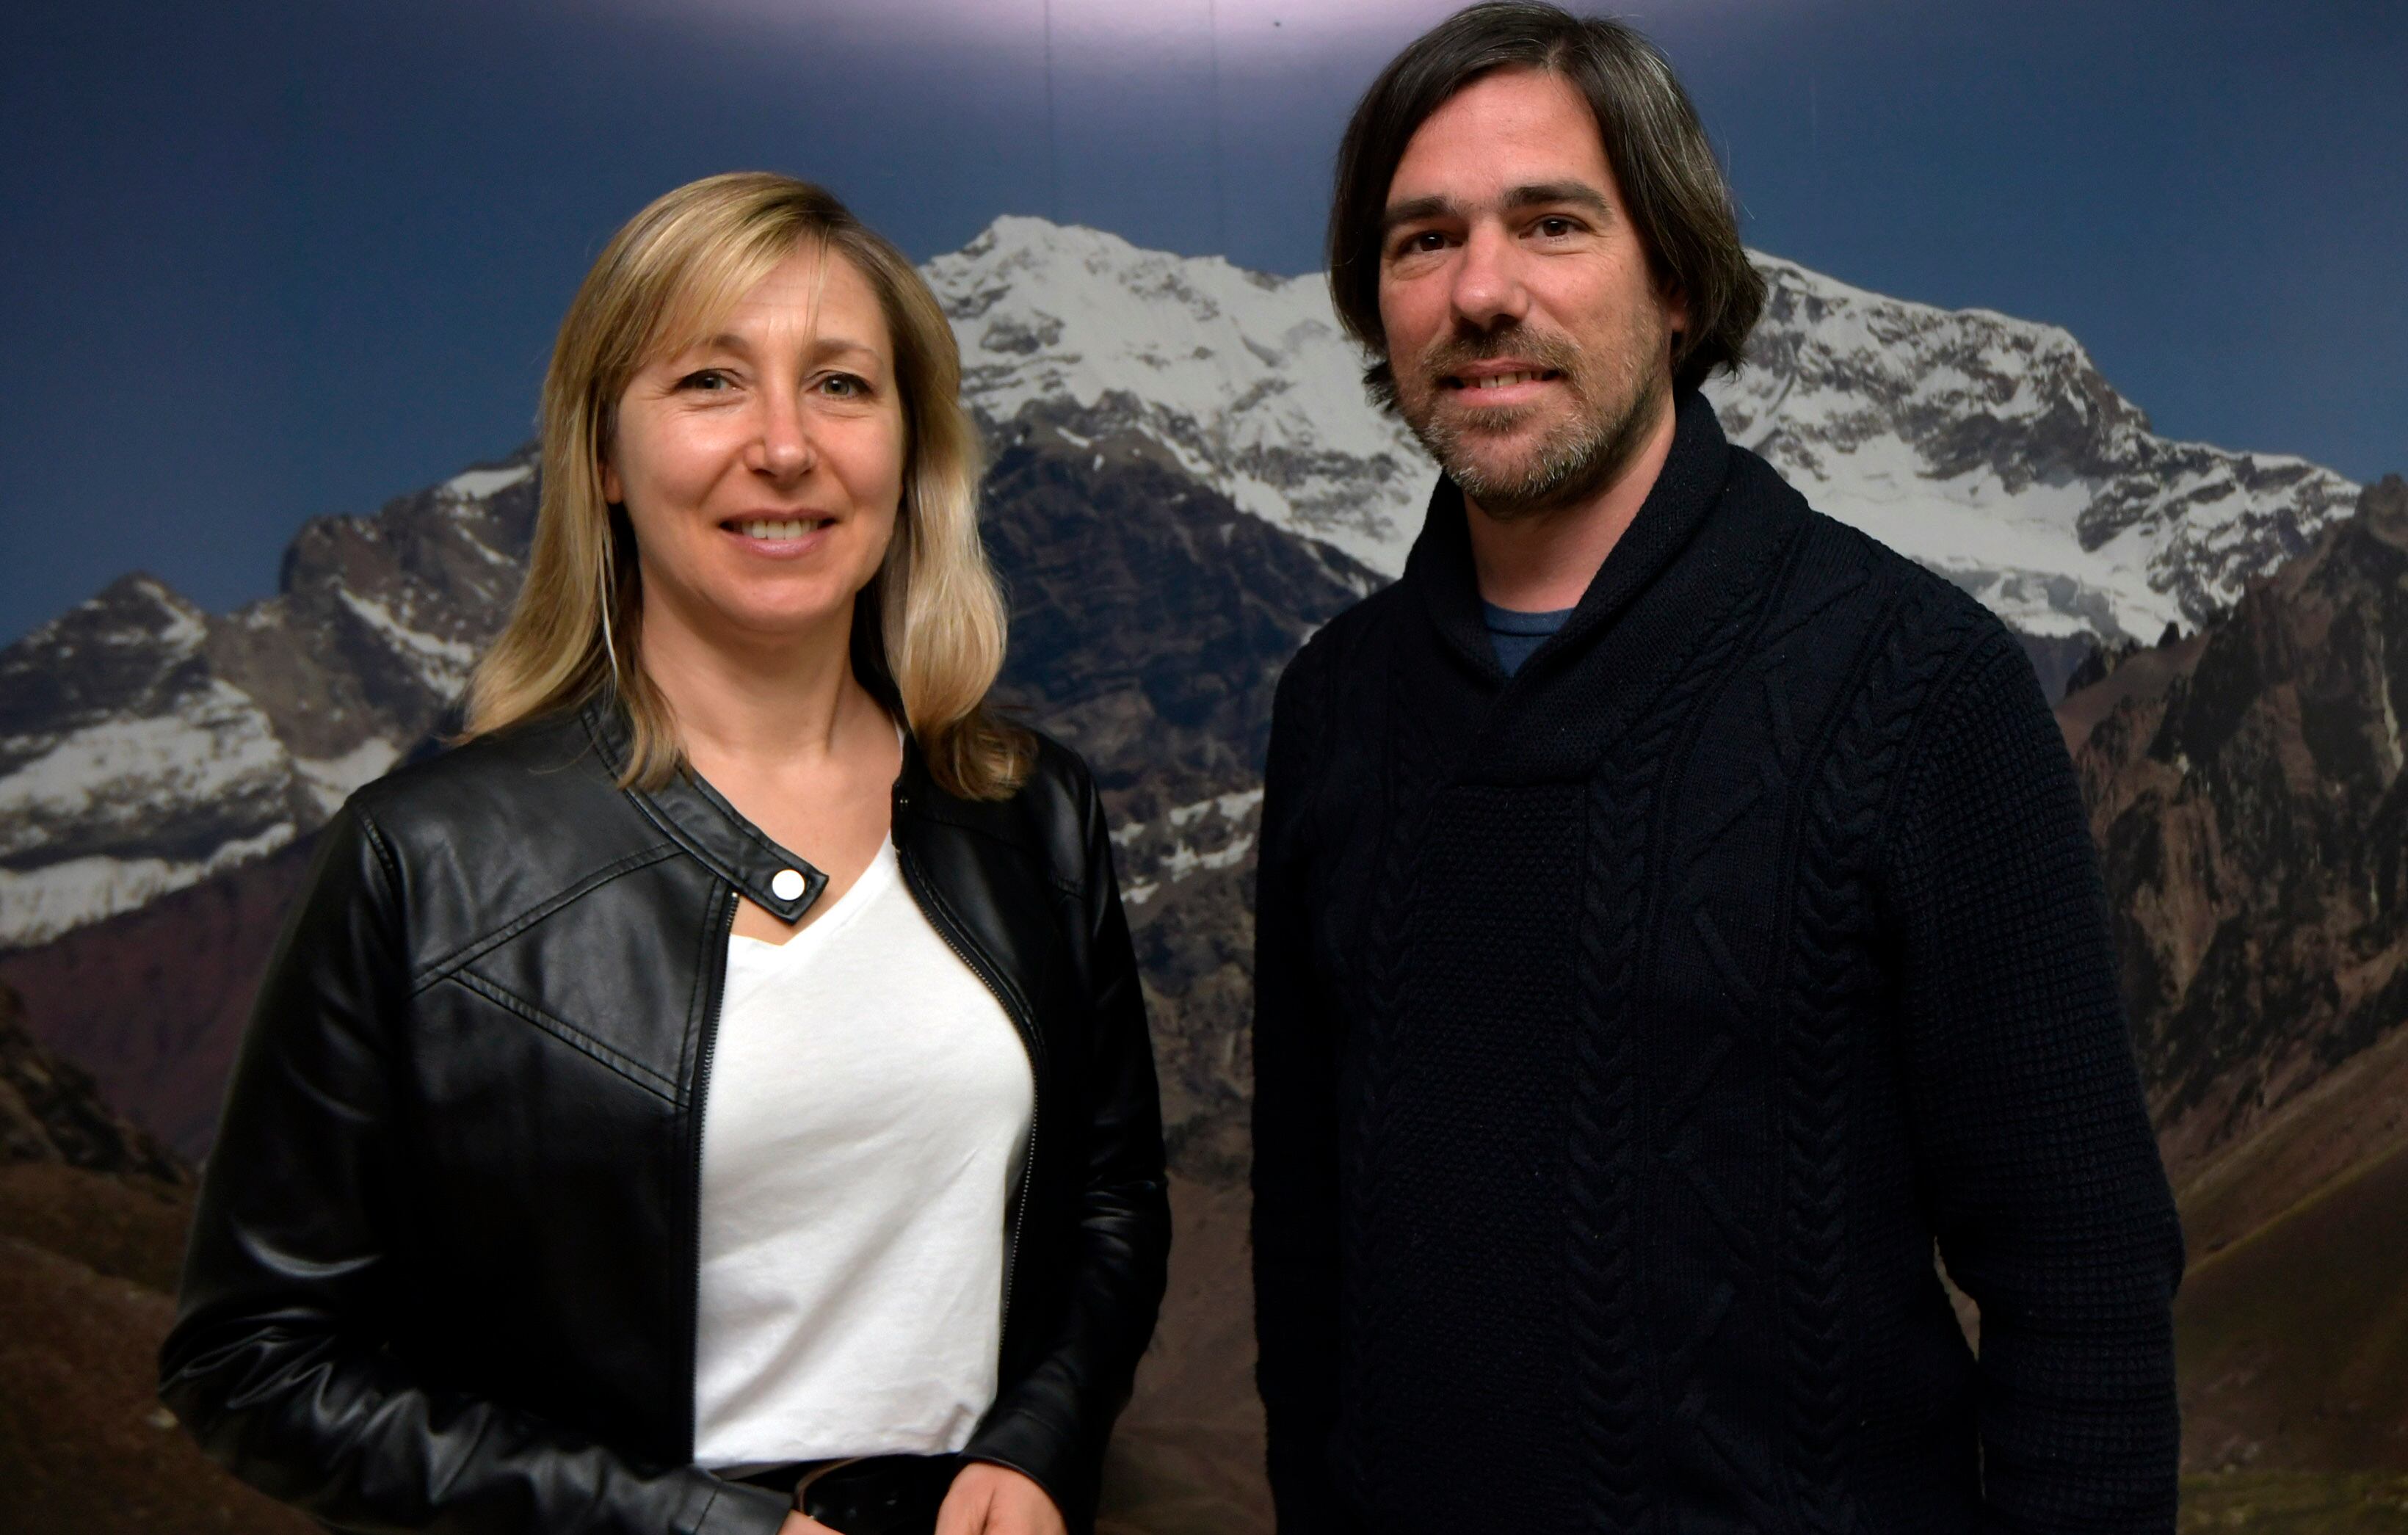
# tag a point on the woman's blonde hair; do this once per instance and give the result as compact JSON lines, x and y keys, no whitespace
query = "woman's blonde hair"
{"x":927,"y":631}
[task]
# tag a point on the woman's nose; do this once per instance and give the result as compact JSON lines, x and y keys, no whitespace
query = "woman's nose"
{"x":784,"y":444}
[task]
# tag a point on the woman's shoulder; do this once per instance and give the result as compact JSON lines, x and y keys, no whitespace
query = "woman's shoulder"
{"x":540,"y":783}
{"x":1055,"y":815}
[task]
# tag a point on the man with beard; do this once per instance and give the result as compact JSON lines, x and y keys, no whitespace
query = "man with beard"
{"x":1676,"y":919}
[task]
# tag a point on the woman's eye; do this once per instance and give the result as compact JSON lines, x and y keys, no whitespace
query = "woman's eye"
{"x":845,"y":386}
{"x":708,"y":379}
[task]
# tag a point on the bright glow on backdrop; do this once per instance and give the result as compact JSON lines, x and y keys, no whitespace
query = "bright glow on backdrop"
{"x":294,"y":258}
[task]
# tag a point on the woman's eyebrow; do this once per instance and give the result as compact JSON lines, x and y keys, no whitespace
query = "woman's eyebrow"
{"x":826,"y":342}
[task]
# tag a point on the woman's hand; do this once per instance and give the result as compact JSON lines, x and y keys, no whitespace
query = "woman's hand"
{"x":987,"y":1500}
{"x":799,"y":1523}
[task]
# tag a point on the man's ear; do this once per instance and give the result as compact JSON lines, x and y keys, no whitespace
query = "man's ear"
{"x":1676,"y":308}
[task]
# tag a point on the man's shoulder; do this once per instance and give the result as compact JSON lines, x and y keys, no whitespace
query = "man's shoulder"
{"x":1845,"y":580}
{"x":1343,"y":645}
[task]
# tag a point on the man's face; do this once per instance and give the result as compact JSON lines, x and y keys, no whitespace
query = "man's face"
{"x":1530,"y":345}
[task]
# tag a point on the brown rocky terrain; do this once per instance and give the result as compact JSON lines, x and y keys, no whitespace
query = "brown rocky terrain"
{"x":155,"y":999}
{"x":1186,"y":1457}
{"x":2249,"y":812}
{"x":2245,"y":788}
{"x":92,"y":1213}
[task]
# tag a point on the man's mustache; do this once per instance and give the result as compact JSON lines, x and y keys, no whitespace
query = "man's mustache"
{"x":1450,"y":356}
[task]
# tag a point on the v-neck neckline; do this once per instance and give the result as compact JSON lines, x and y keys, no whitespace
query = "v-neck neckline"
{"x":880,"y":873}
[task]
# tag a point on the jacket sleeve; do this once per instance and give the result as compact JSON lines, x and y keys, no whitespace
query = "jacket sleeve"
{"x":276,"y":1362}
{"x":2049,"y":1201}
{"x":1053,"y":1423}
{"x":1296,"y":1208}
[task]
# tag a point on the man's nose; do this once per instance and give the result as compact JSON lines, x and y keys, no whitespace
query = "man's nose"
{"x":1488,"y":290}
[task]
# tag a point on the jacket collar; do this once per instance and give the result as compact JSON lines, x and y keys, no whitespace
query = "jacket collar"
{"x":693,"y":814}
{"x":1440,"y":567}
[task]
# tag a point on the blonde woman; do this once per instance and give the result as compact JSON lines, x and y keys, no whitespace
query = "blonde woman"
{"x":716,"y":1096}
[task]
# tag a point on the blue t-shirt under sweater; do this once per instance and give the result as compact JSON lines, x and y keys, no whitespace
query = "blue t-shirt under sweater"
{"x":1515,"y":634}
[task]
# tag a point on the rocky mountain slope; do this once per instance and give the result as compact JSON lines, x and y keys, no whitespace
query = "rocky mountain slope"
{"x":1992,"y":450}
{"x":2253,"y":826}
{"x":1988,"y":448}
{"x":51,"y":1115}
{"x":146,"y":746}
{"x":2247,"y":793}
{"x":1150,"y":621}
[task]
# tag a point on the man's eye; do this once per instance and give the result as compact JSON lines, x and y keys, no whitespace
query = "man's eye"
{"x":1421,"y":243}
{"x":1554,"y":228}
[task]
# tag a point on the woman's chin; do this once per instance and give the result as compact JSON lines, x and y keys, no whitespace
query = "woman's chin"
{"x":755,"y":623}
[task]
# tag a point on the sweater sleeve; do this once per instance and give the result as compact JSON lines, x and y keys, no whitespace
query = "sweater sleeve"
{"x":1295,"y":1210}
{"x":2048,"y":1197}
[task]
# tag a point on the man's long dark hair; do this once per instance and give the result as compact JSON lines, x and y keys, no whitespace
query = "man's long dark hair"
{"x":1671,"y":184}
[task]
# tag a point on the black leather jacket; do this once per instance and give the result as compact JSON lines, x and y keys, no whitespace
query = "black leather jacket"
{"x":443,"y":1271}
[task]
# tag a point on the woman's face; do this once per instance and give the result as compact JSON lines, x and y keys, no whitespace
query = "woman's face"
{"x":762,"y":468}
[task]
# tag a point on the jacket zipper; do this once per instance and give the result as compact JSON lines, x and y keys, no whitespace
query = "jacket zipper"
{"x":913,"y":881}
{"x":718,"y":961}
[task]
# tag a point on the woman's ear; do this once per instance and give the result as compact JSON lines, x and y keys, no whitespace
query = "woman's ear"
{"x":613,"y":493}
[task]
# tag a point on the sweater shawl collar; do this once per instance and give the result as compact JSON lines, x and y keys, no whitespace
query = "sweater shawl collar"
{"x":1548,"y":720}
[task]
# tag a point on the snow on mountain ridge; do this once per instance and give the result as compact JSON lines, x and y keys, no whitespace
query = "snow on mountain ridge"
{"x":146,"y":745}
{"x":1992,"y":450}
{"x":1987,"y":448}
{"x":1245,"y":379}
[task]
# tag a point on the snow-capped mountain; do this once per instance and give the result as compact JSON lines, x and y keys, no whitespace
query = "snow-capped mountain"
{"x":146,"y":745}
{"x":1245,"y":379}
{"x":1991,"y":450}
{"x":1987,"y":448}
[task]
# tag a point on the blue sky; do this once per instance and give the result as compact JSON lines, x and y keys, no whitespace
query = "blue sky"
{"x":265,"y":262}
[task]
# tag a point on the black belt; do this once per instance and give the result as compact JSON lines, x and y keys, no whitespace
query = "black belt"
{"x":880,"y":1495}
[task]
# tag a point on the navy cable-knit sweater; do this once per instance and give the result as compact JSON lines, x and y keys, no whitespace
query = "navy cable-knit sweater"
{"x":1628,"y":1032}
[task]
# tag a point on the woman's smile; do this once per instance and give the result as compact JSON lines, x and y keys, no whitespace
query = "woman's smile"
{"x":780,"y":537}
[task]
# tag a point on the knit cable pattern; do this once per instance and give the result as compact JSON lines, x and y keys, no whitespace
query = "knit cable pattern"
{"x":1608,"y":1383}
{"x":1412,"y":769}
{"x":1833,"y":989}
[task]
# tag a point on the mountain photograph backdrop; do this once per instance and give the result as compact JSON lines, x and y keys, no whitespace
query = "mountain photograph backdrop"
{"x":269,"y":261}
{"x":1185,"y":479}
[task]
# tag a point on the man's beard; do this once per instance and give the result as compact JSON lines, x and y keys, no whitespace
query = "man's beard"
{"x":1615,"y":404}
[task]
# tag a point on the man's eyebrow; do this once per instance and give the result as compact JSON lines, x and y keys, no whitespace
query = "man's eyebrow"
{"x":1578,"y":193}
{"x":1533,"y":195}
{"x":1414,"y":210}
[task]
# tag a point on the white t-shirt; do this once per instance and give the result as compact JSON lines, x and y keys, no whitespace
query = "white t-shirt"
{"x":866,"y":1112}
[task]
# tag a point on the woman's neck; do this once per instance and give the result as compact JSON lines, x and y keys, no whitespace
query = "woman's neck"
{"x":752,"y":703}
